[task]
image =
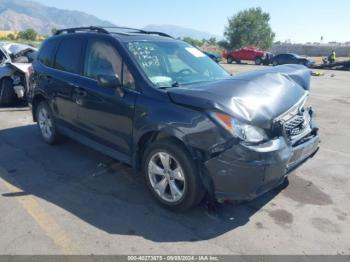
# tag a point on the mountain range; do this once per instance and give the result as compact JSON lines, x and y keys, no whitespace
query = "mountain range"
{"x":18,"y":15}
{"x":178,"y":31}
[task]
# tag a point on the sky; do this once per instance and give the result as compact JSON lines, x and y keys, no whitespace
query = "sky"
{"x":299,"y":21}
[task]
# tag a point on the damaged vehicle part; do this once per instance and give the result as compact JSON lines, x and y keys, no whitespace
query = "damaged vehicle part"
{"x":15,"y":69}
{"x":168,"y":110}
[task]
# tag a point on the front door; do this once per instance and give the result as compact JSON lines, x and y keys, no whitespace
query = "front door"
{"x":106,"y":114}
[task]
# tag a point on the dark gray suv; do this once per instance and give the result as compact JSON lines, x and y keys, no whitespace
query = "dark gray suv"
{"x":169,"y":111}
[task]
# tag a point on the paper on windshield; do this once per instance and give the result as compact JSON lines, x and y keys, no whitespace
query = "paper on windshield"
{"x":195,"y":52}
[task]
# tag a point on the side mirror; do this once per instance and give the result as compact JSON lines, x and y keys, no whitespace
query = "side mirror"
{"x":108,"y":81}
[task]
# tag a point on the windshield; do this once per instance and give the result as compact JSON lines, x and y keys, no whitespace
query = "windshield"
{"x":171,"y":64}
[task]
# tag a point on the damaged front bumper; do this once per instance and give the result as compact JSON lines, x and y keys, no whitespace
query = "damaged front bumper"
{"x":244,"y":172}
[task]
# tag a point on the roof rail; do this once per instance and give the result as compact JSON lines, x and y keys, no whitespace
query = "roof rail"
{"x":157,"y":33}
{"x":135,"y":30}
{"x":109,"y":30}
{"x":77,"y":29}
{"x":121,"y":27}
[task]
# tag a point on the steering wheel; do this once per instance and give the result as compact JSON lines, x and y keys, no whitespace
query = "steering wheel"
{"x":184,"y":72}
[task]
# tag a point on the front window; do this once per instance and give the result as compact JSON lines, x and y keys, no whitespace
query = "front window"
{"x":171,"y":64}
{"x":102,"y":58}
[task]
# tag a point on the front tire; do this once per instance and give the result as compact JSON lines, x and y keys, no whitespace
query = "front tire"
{"x":229,"y":60}
{"x":46,"y":123}
{"x":274,"y":63}
{"x":7,"y":94}
{"x":171,"y":176}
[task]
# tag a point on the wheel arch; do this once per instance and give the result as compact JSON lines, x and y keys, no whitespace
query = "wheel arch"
{"x":155,"y":135}
{"x":35,"y":102}
{"x":151,"y":136}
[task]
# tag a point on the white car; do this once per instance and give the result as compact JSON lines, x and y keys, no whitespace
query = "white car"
{"x":15,"y":67}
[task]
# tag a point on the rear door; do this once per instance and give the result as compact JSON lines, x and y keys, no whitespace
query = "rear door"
{"x":240,"y":54}
{"x":66,"y":79}
{"x":290,"y":59}
{"x":250,"y":54}
{"x":282,"y":59}
{"x":295,"y":60}
{"x":106,"y":114}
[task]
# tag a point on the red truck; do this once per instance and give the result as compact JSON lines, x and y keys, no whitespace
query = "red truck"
{"x":247,"y":53}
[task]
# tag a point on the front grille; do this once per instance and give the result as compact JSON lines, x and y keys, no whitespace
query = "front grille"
{"x":297,"y":124}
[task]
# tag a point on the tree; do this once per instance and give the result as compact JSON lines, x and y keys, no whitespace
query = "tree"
{"x":10,"y":37}
{"x":250,"y":28}
{"x":28,"y":34}
{"x":223,"y":44}
{"x":192,"y":41}
{"x":212,"y":41}
{"x":53,"y":30}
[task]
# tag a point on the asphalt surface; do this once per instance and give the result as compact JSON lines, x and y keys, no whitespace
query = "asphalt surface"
{"x":69,"y":199}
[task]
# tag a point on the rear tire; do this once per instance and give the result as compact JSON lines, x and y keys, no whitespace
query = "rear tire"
{"x":7,"y":93}
{"x":46,"y":123}
{"x":176,"y":184}
{"x":229,"y":60}
{"x":258,"y":61}
{"x":274,"y":63}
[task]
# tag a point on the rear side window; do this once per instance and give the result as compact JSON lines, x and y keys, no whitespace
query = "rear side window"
{"x":47,"y":53}
{"x":69,"y":55}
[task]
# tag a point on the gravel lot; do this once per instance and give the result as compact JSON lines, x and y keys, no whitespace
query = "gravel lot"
{"x":68,"y":199}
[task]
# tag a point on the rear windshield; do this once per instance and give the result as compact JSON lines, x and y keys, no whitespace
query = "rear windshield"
{"x":170,"y":64}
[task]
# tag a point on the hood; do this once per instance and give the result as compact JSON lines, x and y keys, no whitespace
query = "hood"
{"x":23,"y":67}
{"x":256,"y":97}
{"x":14,"y":49}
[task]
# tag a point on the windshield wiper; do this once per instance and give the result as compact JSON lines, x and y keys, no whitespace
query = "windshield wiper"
{"x":175,"y":84}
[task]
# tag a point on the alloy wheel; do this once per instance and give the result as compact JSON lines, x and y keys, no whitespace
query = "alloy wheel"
{"x":166,"y":177}
{"x":45,"y":123}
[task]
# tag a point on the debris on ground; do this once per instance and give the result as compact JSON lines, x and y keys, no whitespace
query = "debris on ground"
{"x":110,"y":167}
{"x":343,"y":65}
{"x":317,"y":73}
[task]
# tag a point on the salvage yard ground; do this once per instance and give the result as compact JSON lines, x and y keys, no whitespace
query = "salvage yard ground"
{"x":68,"y":199}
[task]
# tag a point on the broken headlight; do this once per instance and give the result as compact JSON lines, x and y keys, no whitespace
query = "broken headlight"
{"x":16,"y":80}
{"x":245,"y":132}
